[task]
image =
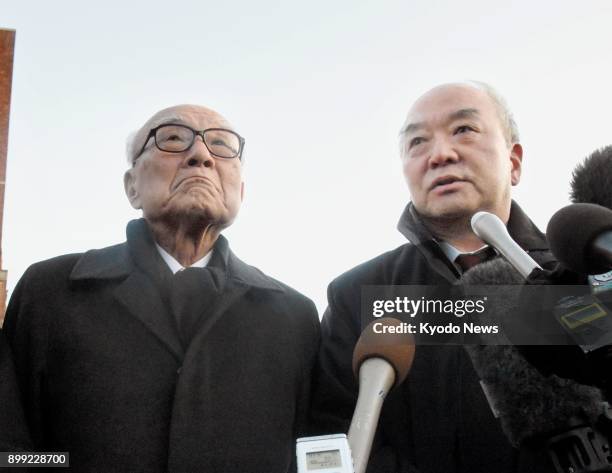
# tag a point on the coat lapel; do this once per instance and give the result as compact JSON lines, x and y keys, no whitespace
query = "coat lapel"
{"x":135,"y":291}
{"x":225,"y":300}
{"x":233,"y":278}
{"x":142,"y":300}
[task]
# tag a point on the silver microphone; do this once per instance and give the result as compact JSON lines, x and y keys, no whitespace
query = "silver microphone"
{"x":490,"y":229}
{"x":381,"y":360}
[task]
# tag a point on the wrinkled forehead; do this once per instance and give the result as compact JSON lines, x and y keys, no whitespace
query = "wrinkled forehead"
{"x":440,"y":103}
{"x":195,"y":116}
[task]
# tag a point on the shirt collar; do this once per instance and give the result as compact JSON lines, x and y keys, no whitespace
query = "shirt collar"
{"x":451,"y":252}
{"x":175,"y":266}
{"x":118,"y":261}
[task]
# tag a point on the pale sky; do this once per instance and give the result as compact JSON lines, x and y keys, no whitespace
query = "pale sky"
{"x":318,"y":89}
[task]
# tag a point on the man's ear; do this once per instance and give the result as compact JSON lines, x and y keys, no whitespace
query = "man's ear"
{"x":516,"y":159}
{"x":129,"y":184}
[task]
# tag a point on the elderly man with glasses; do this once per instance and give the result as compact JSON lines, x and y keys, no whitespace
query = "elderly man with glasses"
{"x":167,"y":352}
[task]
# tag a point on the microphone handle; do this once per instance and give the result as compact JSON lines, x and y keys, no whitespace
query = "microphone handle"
{"x":489,"y":228}
{"x":517,"y":257}
{"x":376,"y":377}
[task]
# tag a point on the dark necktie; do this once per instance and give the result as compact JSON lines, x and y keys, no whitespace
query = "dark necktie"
{"x":469,"y":260}
{"x":192,"y":294}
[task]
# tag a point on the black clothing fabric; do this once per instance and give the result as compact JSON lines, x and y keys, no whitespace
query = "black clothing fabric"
{"x":438,"y":420}
{"x":104,"y":373}
{"x":192,"y":293}
{"x":14,"y":435}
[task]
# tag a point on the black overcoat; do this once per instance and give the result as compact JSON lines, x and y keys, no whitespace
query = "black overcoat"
{"x":104,"y":375}
{"x":438,"y":420}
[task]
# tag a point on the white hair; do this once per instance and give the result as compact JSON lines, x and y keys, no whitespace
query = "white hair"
{"x":130,"y":152}
{"x":505,"y":114}
{"x":134,"y":141}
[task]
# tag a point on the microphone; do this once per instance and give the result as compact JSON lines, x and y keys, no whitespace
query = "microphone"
{"x":534,"y":323}
{"x":382,"y":359}
{"x":548,"y":412}
{"x":592,"y":179}
{"x":490,"y":229}
{"x":580,"y":236}
{"x":592,"y":184}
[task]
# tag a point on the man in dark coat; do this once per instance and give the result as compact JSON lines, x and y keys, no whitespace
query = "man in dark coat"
{"x":166,"y":353}
{"x":460,"y":154}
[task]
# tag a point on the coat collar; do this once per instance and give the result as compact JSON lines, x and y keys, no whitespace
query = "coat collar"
{"x":115,"y":262}
{"x":137,"y":290}
{"x":520,"y":228}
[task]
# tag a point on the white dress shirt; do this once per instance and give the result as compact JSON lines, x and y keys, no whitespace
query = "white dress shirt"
{"x":175,"y":266}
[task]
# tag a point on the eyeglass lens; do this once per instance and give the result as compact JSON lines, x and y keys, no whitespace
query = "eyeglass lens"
{"x":176,"y":138}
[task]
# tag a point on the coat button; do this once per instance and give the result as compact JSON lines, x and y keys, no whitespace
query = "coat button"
{"x":178,"y":371}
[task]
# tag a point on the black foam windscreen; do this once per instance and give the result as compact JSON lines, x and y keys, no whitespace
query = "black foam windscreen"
{"x":495,"y":272}
{"x":507,"y":281}
{"x":531,"y":405}
{"x":572,"y":230}
{"x":592,"y":179}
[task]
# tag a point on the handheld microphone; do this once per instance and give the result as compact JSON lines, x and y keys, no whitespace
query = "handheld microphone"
{"x":580,"y":236}
{"x":382,"y":359}
{"x":557,"y":415}
{"x":592,"y":184}
{"x":490,"y":229}
{"x":532,"y":319}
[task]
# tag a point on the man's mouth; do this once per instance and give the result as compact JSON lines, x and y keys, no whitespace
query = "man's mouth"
{"x":445,"y":181}
{"x":194,"y":180}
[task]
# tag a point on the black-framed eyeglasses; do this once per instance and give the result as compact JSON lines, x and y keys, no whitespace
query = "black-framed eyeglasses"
{"x":175,"y":138}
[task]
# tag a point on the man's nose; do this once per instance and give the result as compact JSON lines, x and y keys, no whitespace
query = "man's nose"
{"x":442,"y":153}
{"x":198,"y":154}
